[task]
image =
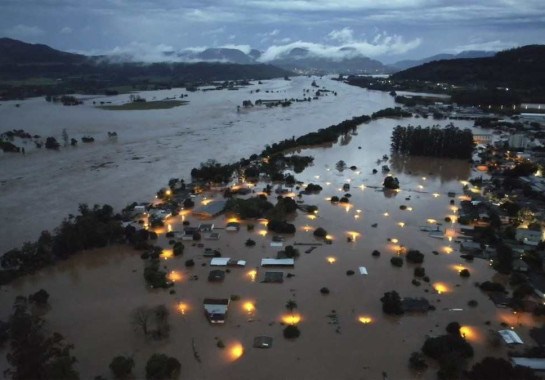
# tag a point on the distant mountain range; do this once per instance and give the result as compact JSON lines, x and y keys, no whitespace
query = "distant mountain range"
{"x":407,"y":64}
{"x":521,"y":68}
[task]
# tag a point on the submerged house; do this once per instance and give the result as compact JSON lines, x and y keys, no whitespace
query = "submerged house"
{"x":215,"y":309}
{"x":529,"y":237}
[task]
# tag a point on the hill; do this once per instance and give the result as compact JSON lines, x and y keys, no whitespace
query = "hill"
{"x":408,"y":63}
{"x":520,"y":69}
{"x":14,"y":52}
{"x":36,"y":70}
{"x":346,"y":61}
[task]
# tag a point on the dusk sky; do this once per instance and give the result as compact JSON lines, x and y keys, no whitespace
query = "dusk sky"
{"x":388,"y":30}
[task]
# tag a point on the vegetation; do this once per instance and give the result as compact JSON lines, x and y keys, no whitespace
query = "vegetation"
{"x":391,"y":183}
{"x":396,"y":261}
{"x":140,"y":106}
{"x":281,"y":227}
{"x":34,"y":354}
{"x":320,"y":232}
{"x":153,"y":321}
{"x":251,"y":208}
{"x":415,"y":256}
{"x":291,"y":332}
{"x":450,"y":350}
{"x":161,"y":366}
{"x":448,"y":142}
{"x":417,"y":362}
{"x":121,"y":366}
{"x":464,"y":273}
{"x":92,"y":228}
{"x":499,"y":369}
{"x":390,"y":113}
{"x":391,"y":303}
{"x":517,"y":69}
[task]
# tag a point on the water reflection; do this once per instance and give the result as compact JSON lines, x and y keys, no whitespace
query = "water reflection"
{"x":445,"y":169}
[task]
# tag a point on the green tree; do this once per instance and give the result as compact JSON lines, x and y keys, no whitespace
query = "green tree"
{"x":121,"y":366}
{"x":161,"y":366}
{"x":391,"y":303}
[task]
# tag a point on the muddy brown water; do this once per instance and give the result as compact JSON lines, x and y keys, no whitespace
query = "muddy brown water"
{"x":94,"y":293}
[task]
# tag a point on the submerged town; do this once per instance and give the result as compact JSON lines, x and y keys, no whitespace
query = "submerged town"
{"x":318,"y":226}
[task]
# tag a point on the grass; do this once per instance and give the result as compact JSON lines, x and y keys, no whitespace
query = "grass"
{"x":140,"y":106}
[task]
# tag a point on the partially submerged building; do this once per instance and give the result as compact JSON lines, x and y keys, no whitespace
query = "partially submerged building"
{"x":216,"y":309}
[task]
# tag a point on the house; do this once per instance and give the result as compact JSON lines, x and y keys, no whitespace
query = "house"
{"x":537,"y":364}
{"x":226,"y":261}
{"x":519,"y":265}
{"x":212,"y":236}
{"x":529,"y":237}
{"x":216,"y":275}
{"x":510,"y":337}
{"x":470,"y":247}
{"x":216,"y":309}
{"x":415,"y":305}
{"x":232,"y":226}
{"x":277,"y":262}
{"x":210,"y":210}
{"x":274,"y":277}
{"x":206,"y":227}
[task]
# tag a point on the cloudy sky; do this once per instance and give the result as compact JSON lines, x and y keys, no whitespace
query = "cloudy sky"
{"x":388,"y":30}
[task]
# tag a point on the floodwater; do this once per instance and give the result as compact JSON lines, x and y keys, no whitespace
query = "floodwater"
{"x":93,"y":294}
{"x":41,"y":188}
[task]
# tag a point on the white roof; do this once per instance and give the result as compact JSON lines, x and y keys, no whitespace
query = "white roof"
{"x":241,"y":263}
{"x":276,"y":244}
{"x":215,"y":308}
{"x":533,"y":363}
{"x":363,"y":270}
{"x":219,"y":261}
{"x":277,"y":262}
{"x":510,"y":337}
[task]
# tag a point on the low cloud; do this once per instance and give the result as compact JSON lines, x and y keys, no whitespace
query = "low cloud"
{"x":243,"y":48}
{"x":66,"y":30}
{"x":495,"y":45}
{"x":24,"y":31}
{"x":348,"y":47}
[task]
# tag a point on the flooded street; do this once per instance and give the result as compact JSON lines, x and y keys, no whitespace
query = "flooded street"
{"x":94,"y":293}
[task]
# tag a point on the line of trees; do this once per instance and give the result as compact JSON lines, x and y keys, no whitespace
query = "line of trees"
{"x":450,"y":142}
{"x":93,"y":228}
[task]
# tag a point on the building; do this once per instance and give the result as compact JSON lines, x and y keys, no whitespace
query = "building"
{"x":517,"y":141}
{"x":210,"y":210}
{"x":277,"y":262}
{"x":529,"y":237}
{"x":216,"y":309}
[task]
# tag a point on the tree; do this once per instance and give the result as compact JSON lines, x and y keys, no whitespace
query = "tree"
{"x":291,"y":332}
{"x":161,"y":366}
{"x":51,"y":143}
{"x":504,"y":258}
{"x":65,"y":137}
{"x":34,"y":355}
{"x":499,"y":369}
{"x":391,"y":183}
{"x":320,"y":232}
{"x":417,"y":361}
{"x":40,"y":298}
{"x":141,"y":317}
{"x":391,"y":303}
{"x":453,"y":328}
{"x":415,"y":256}
{"x":291,"y":305}
{"x":121,"y":366}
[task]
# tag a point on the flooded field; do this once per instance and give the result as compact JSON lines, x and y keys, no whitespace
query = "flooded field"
{"x":39,"y":189}
{"x":94,"y":293}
